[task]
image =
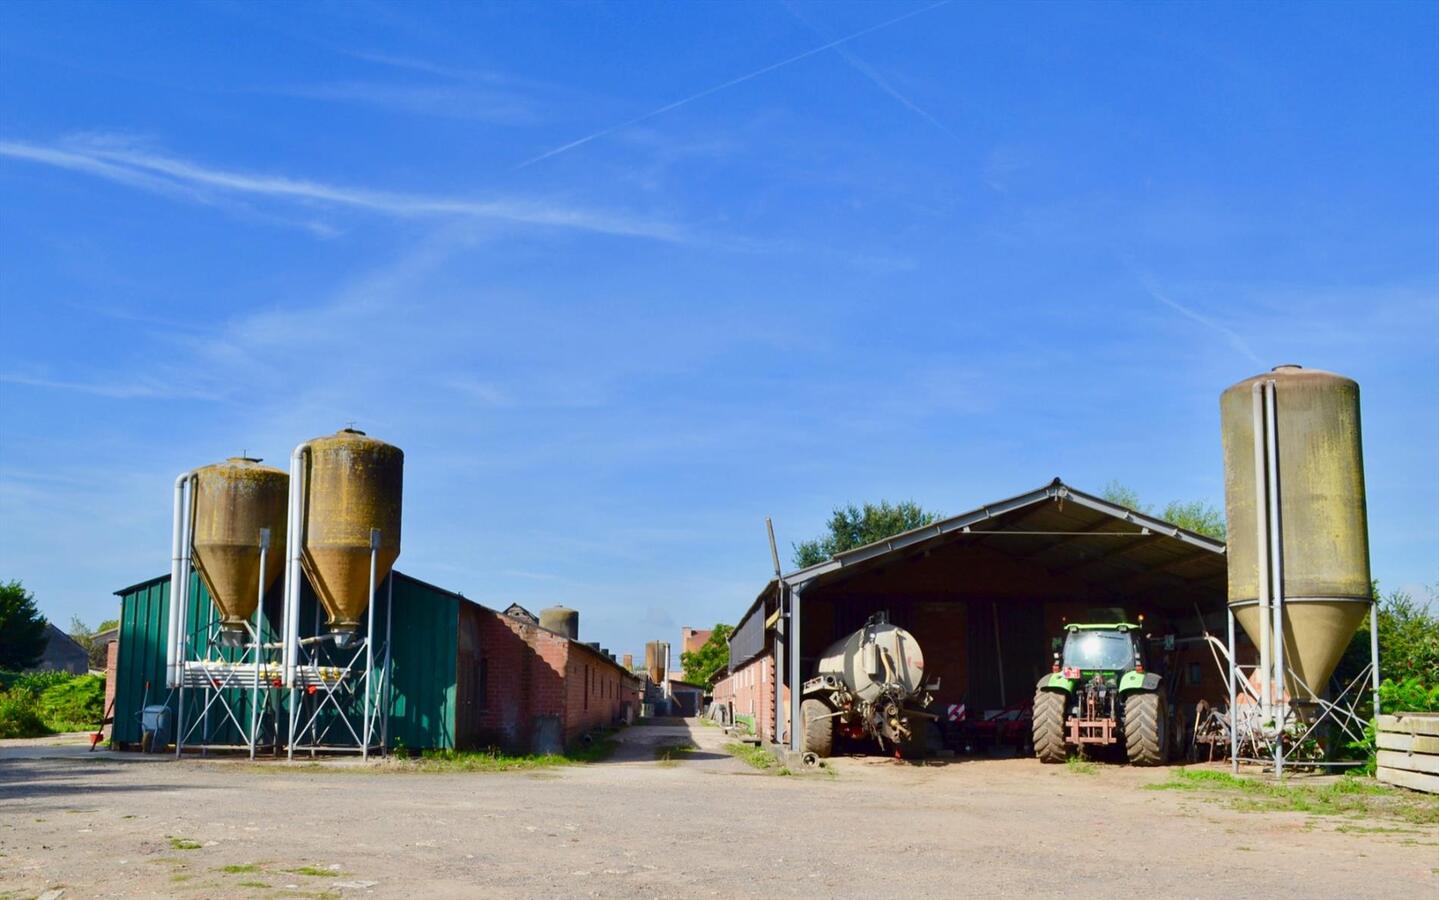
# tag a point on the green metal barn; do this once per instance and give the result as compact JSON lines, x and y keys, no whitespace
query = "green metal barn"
{"x":424,"y":658}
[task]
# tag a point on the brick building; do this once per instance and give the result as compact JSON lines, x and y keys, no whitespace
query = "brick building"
{"x":536,"y":690}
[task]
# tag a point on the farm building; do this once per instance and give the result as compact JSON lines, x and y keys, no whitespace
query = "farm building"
{"x":984,"y":593}
{"x":462,"y":676}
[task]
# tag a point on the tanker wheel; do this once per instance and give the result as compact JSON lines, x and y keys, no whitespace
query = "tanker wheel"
{"x":1048,"y":726}
{"x":917,"y":744}
{"x":1146,"y":729}
{"x":818,"y":728}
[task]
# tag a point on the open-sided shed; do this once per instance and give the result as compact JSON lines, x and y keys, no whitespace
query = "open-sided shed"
{"x":984,"y":592}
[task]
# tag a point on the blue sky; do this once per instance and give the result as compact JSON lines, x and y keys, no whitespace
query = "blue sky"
{"x":622,"y":279}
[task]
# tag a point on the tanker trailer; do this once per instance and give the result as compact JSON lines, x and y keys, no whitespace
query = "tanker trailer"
{"x":869,"y":685}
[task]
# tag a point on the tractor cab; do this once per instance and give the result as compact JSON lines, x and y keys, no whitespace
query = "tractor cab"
{"x":1109,"y":649}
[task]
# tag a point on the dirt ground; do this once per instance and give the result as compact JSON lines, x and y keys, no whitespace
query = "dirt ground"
{"x":124,"y":825}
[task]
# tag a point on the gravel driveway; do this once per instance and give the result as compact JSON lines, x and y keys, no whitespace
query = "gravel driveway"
{"x":708,"y":825}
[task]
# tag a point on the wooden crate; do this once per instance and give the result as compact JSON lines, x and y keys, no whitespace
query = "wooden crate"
{"x":1409,"y":750}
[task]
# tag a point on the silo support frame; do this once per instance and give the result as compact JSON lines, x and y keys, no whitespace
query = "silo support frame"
{"x":357,"y":680}
{"x":249,"y":675}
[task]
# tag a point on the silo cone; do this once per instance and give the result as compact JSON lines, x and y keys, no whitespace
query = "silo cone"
{"x":1324,"y":527}
{"x":353,"y":484}
{"x":234,"y":500}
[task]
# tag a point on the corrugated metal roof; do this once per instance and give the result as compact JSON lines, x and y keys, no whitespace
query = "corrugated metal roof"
{"x":1059,"y":528}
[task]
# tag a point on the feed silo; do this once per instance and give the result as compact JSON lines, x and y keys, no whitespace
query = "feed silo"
{"x":344,"y":537}
{"x":1298,"y":542}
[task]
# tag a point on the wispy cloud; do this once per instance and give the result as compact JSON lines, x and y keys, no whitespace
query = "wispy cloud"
{"x":171,"y":175}
{"x":448,"y":101}
{"x":765,"y":70}
{"x":142,"y":388}
{"x":1234,"y":338}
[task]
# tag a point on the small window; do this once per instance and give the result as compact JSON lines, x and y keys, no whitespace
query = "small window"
{"x":587,"y":687}
{"x":482,"y":685}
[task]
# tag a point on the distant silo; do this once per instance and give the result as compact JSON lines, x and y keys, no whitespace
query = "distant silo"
{"x":561,"y":620}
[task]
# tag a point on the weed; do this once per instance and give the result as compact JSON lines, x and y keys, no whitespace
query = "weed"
{"x":252,"y":884}
{"x":671,"y":754}
{"x":1078,"y":765}
{"x":240,"y":869}
{"x":315,"y":872}
{"x":181,"y":876}
{"x":183,"y":844}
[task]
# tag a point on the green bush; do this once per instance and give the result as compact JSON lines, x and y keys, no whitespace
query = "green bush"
{"x":76,"y":704}
{"x":20,"y":715}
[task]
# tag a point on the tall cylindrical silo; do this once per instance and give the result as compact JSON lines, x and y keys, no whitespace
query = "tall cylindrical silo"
{"x":1322,"y":557}
{"x":562,"y":620}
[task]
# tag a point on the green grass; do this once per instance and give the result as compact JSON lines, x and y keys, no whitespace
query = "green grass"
{"x":1351,"y":797}
{"x":240,"y":869}
{"x":1078,"y":765}
{"x":184,"y":844}
{"x":252,"y":884}
{"x":315,"y":872}
{"x":756,"y":756}
{"x":494,"y":761}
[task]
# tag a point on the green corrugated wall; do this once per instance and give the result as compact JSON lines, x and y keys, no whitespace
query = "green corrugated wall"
{"x":422,"y":712}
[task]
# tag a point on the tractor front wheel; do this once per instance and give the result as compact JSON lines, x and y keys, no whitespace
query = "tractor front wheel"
{"x":1146,"y":728}
{"x":818,"y":728}
{"x":1048,"y":726}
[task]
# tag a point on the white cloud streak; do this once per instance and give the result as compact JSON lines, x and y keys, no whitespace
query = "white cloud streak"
{"x":172,"y":175}
{"x":565,"y":148}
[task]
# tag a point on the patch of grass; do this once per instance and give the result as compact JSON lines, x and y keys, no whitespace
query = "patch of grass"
{"x":315,"y":872}
{"x":495,"y":761}
{"x":1078,"y":765}
{"x":671,"y":754}
{"x":181,"y":876}
{"x":1374,"y":829}
{"x":1354,"y":797}
{"x":252,"y":884}
{"x":177,"y":843}
{"x":240,"y":869}
{"x":757,"y":756}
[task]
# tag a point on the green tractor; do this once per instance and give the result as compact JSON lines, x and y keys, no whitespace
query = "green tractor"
{"x":1099,"y":695}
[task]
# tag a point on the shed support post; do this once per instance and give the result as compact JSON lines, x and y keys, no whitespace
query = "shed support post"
{"x":779,"y":637}
{"x":795,"y":725}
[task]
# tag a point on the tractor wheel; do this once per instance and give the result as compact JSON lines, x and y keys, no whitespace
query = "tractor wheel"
{"x":1146,"y":728}
{"x":1048,"y":726}
{"x":818,"y":728}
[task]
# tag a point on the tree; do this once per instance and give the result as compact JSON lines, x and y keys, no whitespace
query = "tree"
{"x":704,"y":665}
{"x":85,"y":636}
{"x":852,"y":526}
{"x":1408,"y":640}
{"x":22,"y":628}
{"x":1198,"y":515}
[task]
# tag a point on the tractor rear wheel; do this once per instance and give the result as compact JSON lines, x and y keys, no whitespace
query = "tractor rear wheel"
{"x":818,"y":727}
{"x":1146,"y":728}
{"x":1048,"y":726}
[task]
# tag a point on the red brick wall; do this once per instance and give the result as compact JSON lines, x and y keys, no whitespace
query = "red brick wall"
{"x":112,"y":661}
{"x":533,"y":673}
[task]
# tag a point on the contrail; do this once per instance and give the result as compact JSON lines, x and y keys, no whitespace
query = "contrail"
{"x":879,"y":81}
{"x":728,"y":84}
{"x":1236,"y":340}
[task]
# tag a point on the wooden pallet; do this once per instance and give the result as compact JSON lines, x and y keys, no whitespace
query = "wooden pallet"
{"x":1409,"y":751}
